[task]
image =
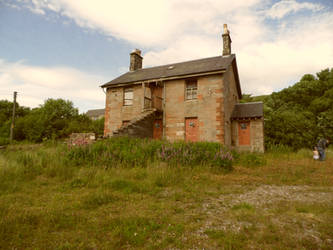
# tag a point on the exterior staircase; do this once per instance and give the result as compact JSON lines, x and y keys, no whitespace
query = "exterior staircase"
{"x":141,"y":126}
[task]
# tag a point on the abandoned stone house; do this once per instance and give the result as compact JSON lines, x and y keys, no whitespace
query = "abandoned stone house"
{"x":196,"y":100}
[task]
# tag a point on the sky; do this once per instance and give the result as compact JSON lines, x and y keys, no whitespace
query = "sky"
{"x":68,"y":48}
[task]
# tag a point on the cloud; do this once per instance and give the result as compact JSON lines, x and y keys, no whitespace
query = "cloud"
{"x":302,"y":48}
{"x":36,"y":84}
{"x":145,"y":22}
{"x":272,"y":50}
{"x":282,"y":8}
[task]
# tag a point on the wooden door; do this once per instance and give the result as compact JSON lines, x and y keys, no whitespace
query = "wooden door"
{"x":158,"y":129}
{"x":191,"y":129}
{"x":244,"y":137}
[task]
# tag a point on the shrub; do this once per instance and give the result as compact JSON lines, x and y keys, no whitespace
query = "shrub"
{"x":4,"y":141}
{"x":134,"y":152}
{"x":199,"y":153}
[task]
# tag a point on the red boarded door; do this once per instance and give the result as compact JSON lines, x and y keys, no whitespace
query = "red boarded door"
{"x":191,"y":129}
{"x":158,"y":129}
{"x":244,"y":133}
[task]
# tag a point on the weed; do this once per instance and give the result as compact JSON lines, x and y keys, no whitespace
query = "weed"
{"x":131,"y":152}
{"x":99,"y":198}
{"x":227,"y":240}
{"x":243,"y":206}
{"x":252,"y":159}
{"x":124,"y":185}
{"x":133,"y":230}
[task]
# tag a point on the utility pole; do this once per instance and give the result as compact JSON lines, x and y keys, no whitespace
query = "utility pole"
{"x":13,"y":119}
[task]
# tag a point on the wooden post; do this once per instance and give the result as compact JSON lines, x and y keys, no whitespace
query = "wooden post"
{"x":13,"y":119}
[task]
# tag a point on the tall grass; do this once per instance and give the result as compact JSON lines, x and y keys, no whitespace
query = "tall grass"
{"x":131,"y":152}
{"x":129,"y":193}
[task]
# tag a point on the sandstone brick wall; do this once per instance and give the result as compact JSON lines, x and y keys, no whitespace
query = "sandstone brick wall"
{"x":230,"y":95}
{"x":116,"y":112}
{"x":256,"y":136}
{"x":207,"y":108}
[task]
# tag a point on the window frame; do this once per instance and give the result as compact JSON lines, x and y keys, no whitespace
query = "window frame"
{"x":128,"y":101}
{"x":191,"y":89}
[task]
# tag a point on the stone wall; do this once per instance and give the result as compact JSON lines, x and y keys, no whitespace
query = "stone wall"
{"x":116,"y":112}
{"x":256,"y":136}
{"x":207,"y":108}
{"x":230,"y":95}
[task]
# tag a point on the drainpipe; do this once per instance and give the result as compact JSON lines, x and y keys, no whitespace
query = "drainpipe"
{"x":143,"y":96}
{"x":163,"y":105}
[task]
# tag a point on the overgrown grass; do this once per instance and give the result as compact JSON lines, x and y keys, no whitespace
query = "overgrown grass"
{"x":4,"y":141}
{"x":53,"y":197}
{"x":130,"y":152}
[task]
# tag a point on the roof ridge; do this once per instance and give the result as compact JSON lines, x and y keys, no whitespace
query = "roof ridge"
{"x":172,"y":64}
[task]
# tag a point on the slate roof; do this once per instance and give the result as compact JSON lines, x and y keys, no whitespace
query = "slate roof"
{"x":176,"y":69}
{"x":95,"y":113}
{"x":248,"y":110}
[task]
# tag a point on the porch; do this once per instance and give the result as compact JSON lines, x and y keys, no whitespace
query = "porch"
{"x":152,"y":96}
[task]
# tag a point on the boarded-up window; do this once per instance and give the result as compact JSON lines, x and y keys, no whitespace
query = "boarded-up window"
{"x":128,"y":96}
{"x":191,"y":90}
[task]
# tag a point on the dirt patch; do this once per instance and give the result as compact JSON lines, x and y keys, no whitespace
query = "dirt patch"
{"x":267,"y":206}
{"x":269,"y":194}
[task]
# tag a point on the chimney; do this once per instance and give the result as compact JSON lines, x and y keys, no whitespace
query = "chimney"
{"x":226,"y":41}
{"x":135,"y":60}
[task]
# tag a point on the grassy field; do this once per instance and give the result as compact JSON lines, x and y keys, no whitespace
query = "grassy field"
{"x":272,"y":201}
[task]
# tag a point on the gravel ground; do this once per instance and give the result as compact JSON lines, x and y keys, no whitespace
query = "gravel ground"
{"x":262,"y":200}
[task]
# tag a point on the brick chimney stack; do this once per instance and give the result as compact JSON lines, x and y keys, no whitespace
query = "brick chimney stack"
{"x":135,"y":60}
{"x":226,"y":41}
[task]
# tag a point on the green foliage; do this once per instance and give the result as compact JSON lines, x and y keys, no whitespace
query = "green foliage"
{"x":297,"y":116}
{"x":243,"y":206}
{"x":46,"y":202}
{"x":252,"y":159}
{"x":4,"y":141}
{"x":56,"y":118}
{"x":199,"y":153}
{"x":134,"y":152}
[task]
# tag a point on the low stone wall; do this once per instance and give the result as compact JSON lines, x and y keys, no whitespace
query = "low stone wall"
{"x":79,"y":139}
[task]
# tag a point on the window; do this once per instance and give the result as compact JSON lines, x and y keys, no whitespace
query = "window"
{"x":128,"y":97}
{"x":191,"y":90}
{"x":243,"y":125}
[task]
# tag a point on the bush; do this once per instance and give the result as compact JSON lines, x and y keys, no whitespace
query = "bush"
{"x":133,"y":152}
{"x":199,"y":153}
{"x":4,"y":141}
